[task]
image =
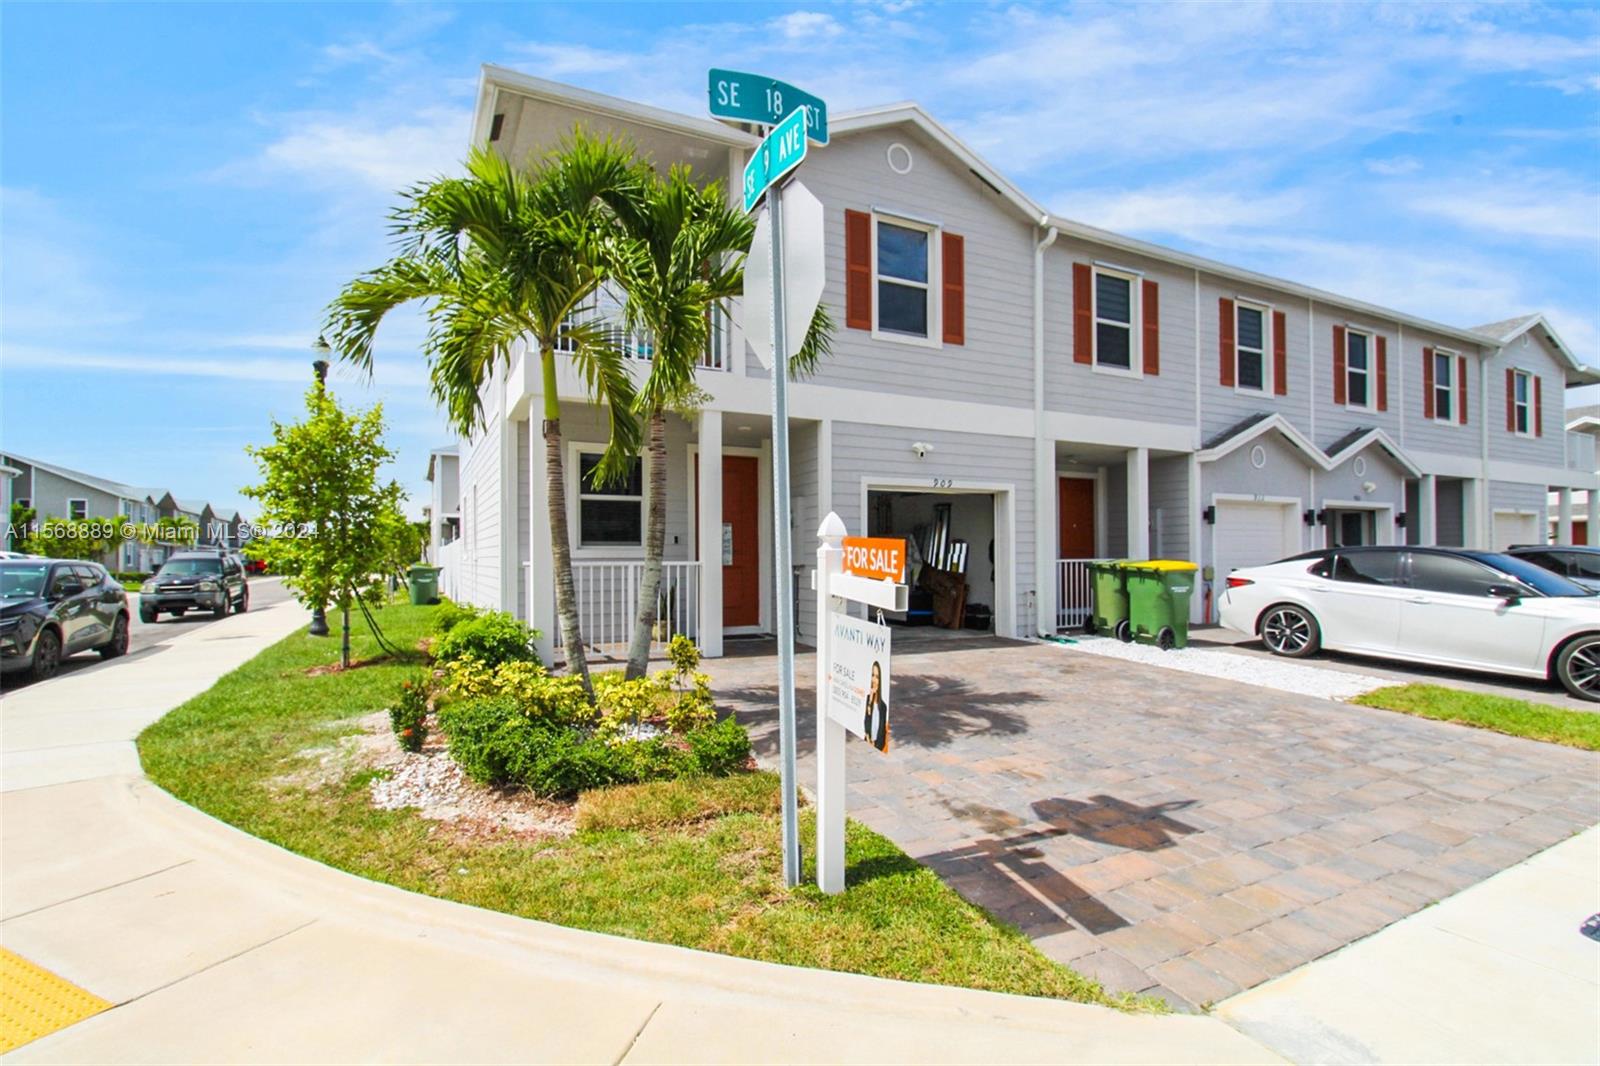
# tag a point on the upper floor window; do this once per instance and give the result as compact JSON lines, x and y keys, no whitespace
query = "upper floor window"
{"x":1522,"y":402}
{"x":77,"y":509}
{"x":1114,"y":338}
{"x":1444,"y":386}
{"x":1251,"y":348}
{"x":904,"y":292}
{"x":1357,"y":368}
{"x":610,"y":515}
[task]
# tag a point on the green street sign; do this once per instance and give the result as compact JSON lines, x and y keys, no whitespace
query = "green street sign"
{"x":781,"y":152}
{"x":753,"y":98}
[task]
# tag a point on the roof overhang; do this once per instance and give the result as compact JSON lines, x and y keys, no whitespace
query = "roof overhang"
{"x":1586,"y":424}
{"x":1578,"y":372}
{"x":1259,"y":429}
{"x":1382,"y":440}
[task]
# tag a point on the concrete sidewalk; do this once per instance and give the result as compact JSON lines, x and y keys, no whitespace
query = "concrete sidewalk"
{"x":216,"y":946}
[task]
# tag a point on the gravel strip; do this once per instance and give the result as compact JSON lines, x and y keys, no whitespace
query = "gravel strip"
{"x":1268,"y":673}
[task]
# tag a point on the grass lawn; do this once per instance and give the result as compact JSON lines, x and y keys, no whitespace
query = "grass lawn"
{"x":689,"y":863}
{"x":1503,"y":714}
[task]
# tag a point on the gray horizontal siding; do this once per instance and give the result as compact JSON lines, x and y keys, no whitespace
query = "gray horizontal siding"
{"x":1335,"y":420}
{"x":1537,"y":358}
{"x":1223,"y":406}
{"x":1432,"y":435}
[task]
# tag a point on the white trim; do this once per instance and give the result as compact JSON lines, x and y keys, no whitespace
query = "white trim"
{"x":1588,"y":374}
{"x":1384,"y":441}
{"x":1005,"y":533}
{"x":1450,"y":356}
{"x":1383,"y":531}
{"x":1267,"y":369}
{"x":933,"y":286}
{"x":615,"y":106}
{"x":1293,"y":506}
{"x":1519,"y":374}
{"x":77,"y":499}
{"x":1369,"y":372}
{"x":573,"y":479}
{"x":1273,"y":422}
{"x":1135,"y":367}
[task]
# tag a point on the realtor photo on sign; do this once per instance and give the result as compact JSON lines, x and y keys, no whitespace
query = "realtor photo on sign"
{"x":858,"y":678}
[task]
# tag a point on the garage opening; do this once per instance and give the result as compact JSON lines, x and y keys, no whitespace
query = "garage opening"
{"x":951,"y":558}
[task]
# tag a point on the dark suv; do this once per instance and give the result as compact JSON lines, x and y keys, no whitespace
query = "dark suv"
{"x":195,"y":581}
{"x":53,"y":608}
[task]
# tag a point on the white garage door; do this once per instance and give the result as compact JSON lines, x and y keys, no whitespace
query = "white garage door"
{"x":1511,"y":528}
{"x":1252,"y":534}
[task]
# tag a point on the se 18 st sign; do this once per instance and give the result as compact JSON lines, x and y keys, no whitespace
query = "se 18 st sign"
{"x":876,"y":557}
{"x":768,"y":101}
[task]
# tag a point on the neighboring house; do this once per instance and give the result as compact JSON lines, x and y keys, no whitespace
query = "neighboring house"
{"x":1036,"y":390}
{"x":7,"y":474}
{"x":1574,"y":514}
{"x":444,"y":499}
{"x":59,"y":492}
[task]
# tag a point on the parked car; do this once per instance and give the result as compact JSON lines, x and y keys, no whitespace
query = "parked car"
{"x":197,"y":580}
{"x":1470,"y":610}
{"x":53,"y":608}
{"x":1580,"y":564}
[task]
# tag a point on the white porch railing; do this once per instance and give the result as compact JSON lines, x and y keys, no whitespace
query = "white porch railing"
{"x":608,"y":601}
{"x":1580,"y":452}
{"x":607,"y":309}
{"x":1074,"y":596}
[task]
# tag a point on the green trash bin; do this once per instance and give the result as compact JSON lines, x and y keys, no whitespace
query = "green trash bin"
{"x":1108,"y":591}
{"x":1158,"y":601}
{"x":424,"y":584}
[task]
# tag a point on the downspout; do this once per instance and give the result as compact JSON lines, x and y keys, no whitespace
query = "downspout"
{"x":1044,"y":476}
{"x":1483,"y":534}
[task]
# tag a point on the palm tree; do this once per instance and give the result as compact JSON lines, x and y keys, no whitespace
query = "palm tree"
{"x":506,"y":255}
{"x":682,"y":254}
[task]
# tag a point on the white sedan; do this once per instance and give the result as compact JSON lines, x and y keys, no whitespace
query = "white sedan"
{"x":1445,"y":607}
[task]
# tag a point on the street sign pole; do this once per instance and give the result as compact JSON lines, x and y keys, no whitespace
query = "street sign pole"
{"x":782,"y":565}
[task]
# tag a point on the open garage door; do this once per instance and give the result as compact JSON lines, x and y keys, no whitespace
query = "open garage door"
{"x":1250,"y":533}
{"x":1510,"y":528}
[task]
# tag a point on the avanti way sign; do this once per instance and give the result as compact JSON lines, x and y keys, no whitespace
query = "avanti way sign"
{"x":782,"y":151}
{"x":768,"y":101}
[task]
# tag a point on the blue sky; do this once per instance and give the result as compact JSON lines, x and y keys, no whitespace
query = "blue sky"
{"x":184,"y":187}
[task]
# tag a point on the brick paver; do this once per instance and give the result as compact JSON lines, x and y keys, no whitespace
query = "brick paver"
{"x":1172,"y":833}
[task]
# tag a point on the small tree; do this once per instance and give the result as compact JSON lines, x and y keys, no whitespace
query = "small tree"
{"x":21,"y":523}
{"x":74,"y":538}
{"x":338,"y":523}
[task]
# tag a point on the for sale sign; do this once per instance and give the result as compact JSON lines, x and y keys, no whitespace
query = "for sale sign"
{"x":858,"y":677}
{"x":876,"y":557}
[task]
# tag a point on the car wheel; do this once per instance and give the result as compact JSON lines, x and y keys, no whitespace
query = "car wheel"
{"x":1291,"y":631}
{"x":244,"y":601}
{"x":46,"y":656}
{"x":1578,"y":667}
{"x":118,"y":644}
{"x":221,"y":609}
{"x":148,"y":615}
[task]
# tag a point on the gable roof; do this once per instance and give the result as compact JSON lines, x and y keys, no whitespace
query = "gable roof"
{"x":1508,"y":330}
{"x":1358,"y":440}
{"x":100,"y":484}
{"x":1242,"y":433}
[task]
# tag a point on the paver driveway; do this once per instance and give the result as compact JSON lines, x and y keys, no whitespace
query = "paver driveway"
{"x":1177,"y":834}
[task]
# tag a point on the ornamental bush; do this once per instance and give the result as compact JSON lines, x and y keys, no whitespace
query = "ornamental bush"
{"x":491,"y":638}
{"x":540,"y":693}
{"x":449,"y":614}
{"x":409,"y":714}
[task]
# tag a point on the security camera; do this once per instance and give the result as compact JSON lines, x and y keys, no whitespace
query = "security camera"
{"x":921,"y":449}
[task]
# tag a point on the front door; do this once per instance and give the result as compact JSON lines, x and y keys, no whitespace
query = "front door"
{"x":740,"y":549}
{"x":1352,"y":529}
{"x":1076,"y":502}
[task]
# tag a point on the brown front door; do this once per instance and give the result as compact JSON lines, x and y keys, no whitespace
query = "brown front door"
{"x":1076,"y":502}
{"x":741,"y":511}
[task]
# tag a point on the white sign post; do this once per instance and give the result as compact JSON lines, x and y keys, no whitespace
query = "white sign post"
{"x":850,"y":698}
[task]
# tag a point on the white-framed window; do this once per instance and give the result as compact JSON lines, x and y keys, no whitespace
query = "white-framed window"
{"x":1444,"y":385}
{"x":1116,"y":310}
{"x":1522,"y":403}
{"x":1358,"y":368}
{"x":1251,"y":326}
{"x":905,"y":296}
{"x":77,"y":508}
{"x":607,"y":517}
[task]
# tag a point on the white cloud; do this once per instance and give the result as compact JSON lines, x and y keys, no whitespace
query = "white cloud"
{"x":564,"y":60}
{"x":378,"y":151}
{"x":1542,"y":205}
{"x":807,"y":26}
{"x":1196,"y":210}
{"x":1389,"y":168}
{"x":389,"y":372}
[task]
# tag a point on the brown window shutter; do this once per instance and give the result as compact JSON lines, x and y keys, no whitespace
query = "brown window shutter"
{"x":1082,"y":314}
{"x":1538,"y":406}
{"x":1227,"y":352}
{"x":1427,"y":383}
{"x":954,"y":282}
{"x":1461,"y":387}
{"x":1511,"y":400}
{"x":857,"y":270}
{"x":1383,"y":373}
{"x":1152,"y":328}
{"x":1280,"y":354}
{"x":1338,"y":365}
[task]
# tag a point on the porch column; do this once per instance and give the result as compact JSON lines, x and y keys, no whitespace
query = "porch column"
{"x":541,"y":560}
{"x":1046,"y":537}
{"x":1564,"y":515}
{"x":708,"y":493}
{"x":1476,"y":527}
{"x":1592,"y":531}
{"x":1428,"y":505}
{"x":1138,"y":503}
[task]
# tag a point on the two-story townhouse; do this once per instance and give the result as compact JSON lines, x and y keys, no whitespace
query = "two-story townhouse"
{"x":55,"y":491}
{"x":444,"y":500}
{"x":1014,"y":392}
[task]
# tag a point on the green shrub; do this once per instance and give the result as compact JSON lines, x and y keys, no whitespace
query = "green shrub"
{"x":492,"y":638}
{"x":720,"y":749}
{"x":409,"y":714}
{"x":486,"y":736}
{"x":541,"y":694}
{"x":449,"y":614}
